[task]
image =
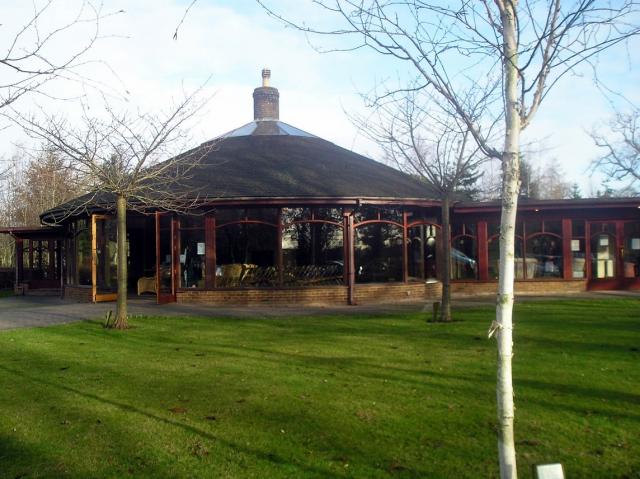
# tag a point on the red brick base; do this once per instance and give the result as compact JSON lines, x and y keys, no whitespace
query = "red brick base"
{"x":543,"y":287}
{"x":81,"y":294}
{"x":324,"y":295}
{"x":364,"y":293}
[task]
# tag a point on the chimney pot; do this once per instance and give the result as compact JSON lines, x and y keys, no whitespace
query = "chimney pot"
{"x":266,"y":76}
{"x":266,"y":100}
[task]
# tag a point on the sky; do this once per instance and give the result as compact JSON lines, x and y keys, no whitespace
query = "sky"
{"x":223,"y":45}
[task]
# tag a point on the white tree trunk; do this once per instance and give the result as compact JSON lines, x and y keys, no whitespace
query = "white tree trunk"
{"x":504,"y":307}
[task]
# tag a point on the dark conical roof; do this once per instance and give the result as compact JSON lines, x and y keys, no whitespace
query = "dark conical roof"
{"x":273,"y":159}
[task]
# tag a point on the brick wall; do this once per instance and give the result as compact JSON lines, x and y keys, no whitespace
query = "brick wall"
{"x":78,"y":293}
{"x":473,"y":288}
{"x":389,"y":292}
{"x":324,"y":295}
{"x":283,"y":296}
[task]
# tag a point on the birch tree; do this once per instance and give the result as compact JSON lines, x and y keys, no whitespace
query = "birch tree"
{"x":126,"y":161}
{"x":528,"y":46}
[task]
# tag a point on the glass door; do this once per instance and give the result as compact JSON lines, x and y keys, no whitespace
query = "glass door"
{"x":166,"y":251}
{"x":104,"y":258}
{"x":604,"y":270}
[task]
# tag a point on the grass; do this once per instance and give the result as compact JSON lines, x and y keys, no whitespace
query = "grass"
{"x":321,"y":397}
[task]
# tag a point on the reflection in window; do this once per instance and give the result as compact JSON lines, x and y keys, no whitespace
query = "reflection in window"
{"x":546,"y":250}
{"x":83,"y":253}
{"x":631,"y":256}
{"x":368,"y":213}
{"x":312,"y":254}
{"x":106,"y":255}
{"x":192,"y":253}
{"x":246,"y":255}
{"x":378,"y":253}
{"x":522,"y":265}
{"x":464,"y":258}
{"x":422,"y":252}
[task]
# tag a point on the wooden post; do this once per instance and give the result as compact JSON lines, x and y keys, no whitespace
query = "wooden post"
{"x":279,"y":259}
{"x":30,"y":269}
{"x":19,"y":260}
{"x":587,"y":251}
{"x":175,"y":256}
{"x":157,"y":216}
{"x":351,"y":260}
{"x":210,"y":251}
{"x":483,"y":251}
{"x":405,"y":248}
{"x":567,"y":260}
{"x":94,"y":259}
{"x":619,"y":276}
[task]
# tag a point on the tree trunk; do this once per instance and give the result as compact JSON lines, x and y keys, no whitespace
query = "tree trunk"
{"x":121,"y":321}
{"x":510,"y":185}
{"x":445,"y":307}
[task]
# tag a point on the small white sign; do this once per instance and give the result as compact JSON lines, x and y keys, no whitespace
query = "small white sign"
{"x":604,"y":241}
{"x":635,"y":243}
{"x":549,"y":471}
{"x":200,"y":248}
{"x":575,"y":245}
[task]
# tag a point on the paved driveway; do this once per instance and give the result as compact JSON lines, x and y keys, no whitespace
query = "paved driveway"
{"x":38,"y":311}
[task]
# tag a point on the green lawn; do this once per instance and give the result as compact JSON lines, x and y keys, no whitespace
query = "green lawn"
{"x":342,"y":396}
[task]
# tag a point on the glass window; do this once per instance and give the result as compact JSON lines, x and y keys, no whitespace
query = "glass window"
{"x":267,"y":215}
{"x":191,"y":221}
{"x":533,"y":226}
{"x":422,"y":252}
{"x":493,"y":229}
{"x":312,"y":254}
{"x":192,"y":258}
{"x":378,"y":253}
{"x":631,"y":252}
{"x":246,"y":255}
{"x":603,"y":255}
{"x":328,"y":214}
{"x":426,"y":215}
{"x":83,"y":253}
{"x":519,"y":261}
{"x":107,"y":254}
{"x":577,"y":228}
{"x":464,"y":258}
{"x":460,"y":229}
{"x":367,"y":213}
{"x":554,"y":227}
{"x":578,"y":257}
{"x":289,"y":215}
{"x":544,"y":256}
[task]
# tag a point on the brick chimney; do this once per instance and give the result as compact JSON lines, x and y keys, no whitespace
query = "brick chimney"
{"x":266,"y":100}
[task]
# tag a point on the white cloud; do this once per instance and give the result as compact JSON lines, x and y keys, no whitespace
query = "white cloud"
{"x":231,"y":41}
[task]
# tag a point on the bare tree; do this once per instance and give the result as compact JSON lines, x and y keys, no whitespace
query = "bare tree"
{"x":546,"y":182}
{"x":37,"y":50}
{"x":419,"y":138}
{"x":621,"y":145}
{"x":119,"y":159}
{"x":46,"y":181}
{"x":525,"y":45}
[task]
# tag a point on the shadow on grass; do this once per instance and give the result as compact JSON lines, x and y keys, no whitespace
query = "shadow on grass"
{"x":259,"y":454}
